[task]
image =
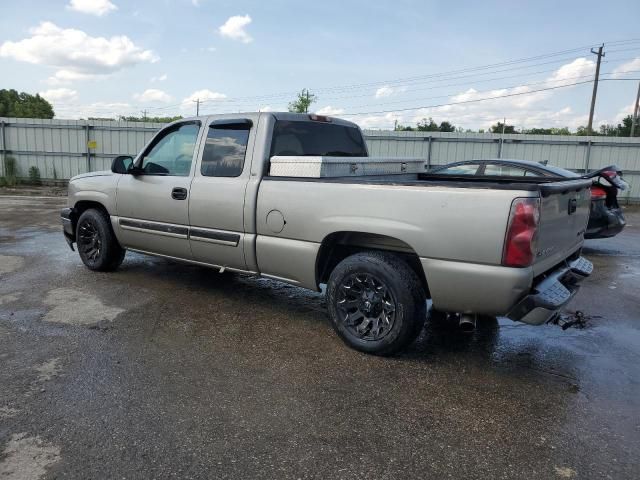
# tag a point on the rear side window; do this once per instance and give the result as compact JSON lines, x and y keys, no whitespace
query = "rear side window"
{"x":225,"y":150}
{"x":508,"y":171}
{"x":465,"y":169}
{"x":316,"y":139}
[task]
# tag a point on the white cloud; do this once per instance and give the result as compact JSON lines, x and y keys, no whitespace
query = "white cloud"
{"x":92,"y":7}
{"x":566,"y":73}
{"x":55,"y":95}
{"x":152,"y":95}
{"x":234,"y":28}
{"x":266,"y":108}
{"x":622,"y":113}
{"x":329,"y":110}
{"x":97,"y":109}
{"x":203,"y":95}
{"x":631,"y":66}
{"x":387,"y":91}
{"x":160,"y":78}
{"x":76,"y":55}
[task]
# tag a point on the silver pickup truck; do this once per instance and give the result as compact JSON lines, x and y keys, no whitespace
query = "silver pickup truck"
{"x":202,"y":192}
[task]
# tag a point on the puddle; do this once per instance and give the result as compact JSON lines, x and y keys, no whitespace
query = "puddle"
{"x":27,"y":458}
{"x":10,"y":263}
{"x":75,"y":307}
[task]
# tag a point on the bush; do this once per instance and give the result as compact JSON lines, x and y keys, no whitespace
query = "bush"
{"x":34,"y":175}
{"x":10,"y":171}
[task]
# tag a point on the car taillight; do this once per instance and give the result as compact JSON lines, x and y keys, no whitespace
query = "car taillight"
{"x":598,"y":193}
{"x":519,"y":244}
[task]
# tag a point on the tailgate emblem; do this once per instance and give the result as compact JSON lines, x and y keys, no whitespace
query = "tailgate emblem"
{"x":573,"y":206}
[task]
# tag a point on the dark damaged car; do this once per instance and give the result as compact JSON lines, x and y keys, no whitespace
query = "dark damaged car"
{"x":605,"y":219}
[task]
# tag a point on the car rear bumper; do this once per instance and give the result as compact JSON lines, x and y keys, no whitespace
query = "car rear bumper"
{"x":605,"y":222}
{"x":551,"y":293}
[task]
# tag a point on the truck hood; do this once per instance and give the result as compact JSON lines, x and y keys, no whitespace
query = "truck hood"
{"x":101,"y":173}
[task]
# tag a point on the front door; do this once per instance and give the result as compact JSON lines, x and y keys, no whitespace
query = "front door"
{"x":153,"y":203}
{"x":216,"y":208}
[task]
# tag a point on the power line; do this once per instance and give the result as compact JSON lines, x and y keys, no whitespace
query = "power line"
{"x":470,"y":101}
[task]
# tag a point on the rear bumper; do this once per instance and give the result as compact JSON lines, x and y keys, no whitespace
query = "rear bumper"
{"x":551,"y":293}
{"x":604,"y":222}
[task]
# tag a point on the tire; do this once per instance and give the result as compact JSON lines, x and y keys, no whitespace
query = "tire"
{"x":376,"y":303}
{"x":97,"y":244}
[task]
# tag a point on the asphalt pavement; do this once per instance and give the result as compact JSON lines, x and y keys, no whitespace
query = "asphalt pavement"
{"x":167,"y":370}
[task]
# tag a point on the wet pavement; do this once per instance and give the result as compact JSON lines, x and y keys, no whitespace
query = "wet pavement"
{"x":164,"y":370}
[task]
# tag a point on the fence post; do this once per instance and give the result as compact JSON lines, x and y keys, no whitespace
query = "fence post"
{"x":86,"y":145}
{"x":429,"y":153}
{"x":4,"y":147}
{"x":500,"y":140}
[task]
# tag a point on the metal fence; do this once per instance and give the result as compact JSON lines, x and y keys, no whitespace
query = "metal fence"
{"x":61,"y":149}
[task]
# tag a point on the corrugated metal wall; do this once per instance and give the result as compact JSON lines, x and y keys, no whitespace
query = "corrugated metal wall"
{"x":59,"y":147}
{"x":574,"y":153}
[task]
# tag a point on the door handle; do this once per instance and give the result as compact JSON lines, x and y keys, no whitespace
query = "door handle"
{"x":179,"y":193}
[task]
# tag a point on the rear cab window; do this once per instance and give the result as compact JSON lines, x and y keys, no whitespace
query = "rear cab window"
{"x":316,"y":138}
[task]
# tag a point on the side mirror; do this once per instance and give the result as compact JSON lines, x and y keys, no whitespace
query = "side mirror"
{"x":121,"y":164}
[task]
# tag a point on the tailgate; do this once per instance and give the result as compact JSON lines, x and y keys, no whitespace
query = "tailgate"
{"x":564,"y":212}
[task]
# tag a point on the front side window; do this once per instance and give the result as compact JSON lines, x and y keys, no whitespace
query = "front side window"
{"x":225,"y":150}
{"x":172,"y":153}
{"x":464,"y":169}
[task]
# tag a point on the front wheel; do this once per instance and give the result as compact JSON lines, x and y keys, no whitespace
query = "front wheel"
{"x":97,"y":244}
{"x":376,"y":302}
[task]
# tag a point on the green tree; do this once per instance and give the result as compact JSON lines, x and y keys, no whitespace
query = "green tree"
{"x":151,"y":119}
{"x":446,"y":127}
{"x":427,"y":125}
{"x":620,"y":130}
{"x":548,"y":131}
{"x":497,"y":128}
{"x":303,"y":101}
{"x":24,"y":105}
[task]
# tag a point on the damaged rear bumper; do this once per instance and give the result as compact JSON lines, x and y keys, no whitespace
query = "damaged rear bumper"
{"x":551,"y":293}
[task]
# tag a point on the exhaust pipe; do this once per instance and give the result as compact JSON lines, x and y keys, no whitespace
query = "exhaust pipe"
{"x":467,"y":322}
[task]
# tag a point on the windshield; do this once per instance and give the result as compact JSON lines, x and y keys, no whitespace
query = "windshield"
{"x":316,"y":139}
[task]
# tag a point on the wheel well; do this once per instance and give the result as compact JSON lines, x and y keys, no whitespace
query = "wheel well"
{"x":83,"y":205}
{"x":340,"y":245}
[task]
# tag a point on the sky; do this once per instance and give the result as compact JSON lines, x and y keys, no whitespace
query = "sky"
{"x":377,"y":63}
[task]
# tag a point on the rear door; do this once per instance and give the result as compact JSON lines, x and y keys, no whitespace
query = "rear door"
{"x":564,"y":214}
{"x":216,"y":208}
{"x":153,"y":204}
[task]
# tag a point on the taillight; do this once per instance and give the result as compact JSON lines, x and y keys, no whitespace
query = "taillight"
{"x":519,"y":244}
{"x":598,"y":193}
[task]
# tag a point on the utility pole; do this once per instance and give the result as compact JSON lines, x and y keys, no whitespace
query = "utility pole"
{"x":306,"y":105}
{"x":144,"y":115}
{"x":634,"y":119}
{"x":600,"y":54}
{"x":197,"y":100}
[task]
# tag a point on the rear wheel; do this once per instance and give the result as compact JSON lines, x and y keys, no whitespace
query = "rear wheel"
{"x":376,"y":302}
{"x":97,"y":244}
